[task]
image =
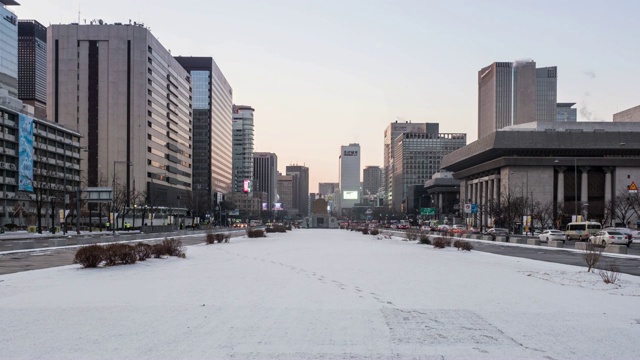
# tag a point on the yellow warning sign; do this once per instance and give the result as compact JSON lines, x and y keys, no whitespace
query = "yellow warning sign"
{"x":633,"y":188}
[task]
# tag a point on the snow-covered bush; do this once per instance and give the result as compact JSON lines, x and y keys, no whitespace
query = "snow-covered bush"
{"x":374,"y":232}
{"x":210,"y":239}
{"x":115,"y":254}
{"x":143,"y":251}
{"x":255,"y":233}
{"x":441,"y":243}
{"x":424,"y":239}
{"x":462,"y":245}
{"x":89,"y":256}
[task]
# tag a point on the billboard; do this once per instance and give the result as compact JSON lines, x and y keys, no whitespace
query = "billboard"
{"x":246,"y":186}
{"x":350,"y":153}
{"x":350,"y":195}
{"x":277,"y":206}
{"x":25,"y":153}
{"x":264,"y":206}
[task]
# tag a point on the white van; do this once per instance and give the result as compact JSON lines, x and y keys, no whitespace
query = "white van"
{"x":581,"y":231}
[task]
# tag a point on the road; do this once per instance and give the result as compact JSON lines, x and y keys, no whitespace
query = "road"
{"x":45,"y":258}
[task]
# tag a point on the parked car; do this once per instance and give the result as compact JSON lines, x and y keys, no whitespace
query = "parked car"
{"x":608,"y":236}
{"x":628,"y":233}
{"x":494,"y":232}
{"x":555,"y":235}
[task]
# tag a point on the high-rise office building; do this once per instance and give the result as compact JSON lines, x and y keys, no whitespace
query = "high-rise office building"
{"x":512,"y":93}
{"x":300,"y":175}
{"x":628,"y":115}
{"x":286,"y":192}
{"x":8,"y":48}
{"x":131,"y":100}
{"x":546,"y":93}
{"x":212,"y":124}
{"x":417,"y":158}
{"x":372,"y":180}
{"x":327,"y":188}
{"x":265,"y":177}
{"x":390,"y":134}
{"x":566,"y":112}
{"x":242,"y":148}
{"x":506,"y":95}
{"x":32,"y":66}
{"x":349,"y":176}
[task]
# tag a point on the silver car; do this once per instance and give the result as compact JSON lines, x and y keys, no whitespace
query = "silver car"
{"x":554,"y":235}
{"x":628,"y":233}
{"x":605,"y":237}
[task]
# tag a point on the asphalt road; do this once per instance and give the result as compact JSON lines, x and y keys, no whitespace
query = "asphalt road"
{"x":45,"y":258}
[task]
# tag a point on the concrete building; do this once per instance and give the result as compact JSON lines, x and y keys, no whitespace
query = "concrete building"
{"x":300,"y":175}
{"x":545,"y":168}
{"x":417,"y":158}
{"x":506,"y":95}
{"x":443,"y":194}
{"x":131,"y":100}
{"x":51,"y":171}
{"x":242,"y":141}
{"x":629,"y":115}
{"x":392,"y":131}
{"x":349,"y":177}
{"x":566,"y":112}
{"x":372,"y":180}
{"x":328,"y":188}
{"x":32,"y":66}
{"x":8,"y":48}
{"x":212,"y":124}
{"x":546,"y":93}
{"x":286,"y":192}
{"x":265,"y":178}
{"x":249,"y":205}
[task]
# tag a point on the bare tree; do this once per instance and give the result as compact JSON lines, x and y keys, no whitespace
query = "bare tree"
{"x":621,"y":207}
{"x":542,"y":212}
{"x":592,"y":255}
{"x":45,"y":190}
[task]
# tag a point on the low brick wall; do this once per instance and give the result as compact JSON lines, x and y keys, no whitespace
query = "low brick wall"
{"x":501,"y":239}
{"x":518,"y":240}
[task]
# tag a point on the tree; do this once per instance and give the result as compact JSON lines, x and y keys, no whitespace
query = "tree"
{"x":621,"y":207}
{"x":45,"y":190}
{"x":542,"y":213}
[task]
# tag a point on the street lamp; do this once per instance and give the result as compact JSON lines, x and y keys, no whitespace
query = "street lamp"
{"x":114,"y":192}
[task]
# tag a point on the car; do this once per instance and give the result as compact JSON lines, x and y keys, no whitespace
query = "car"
{"x":494,"y":232}
{"x":628,"y":233}
{"x":555,"y":235}
{"x":608,"y":236}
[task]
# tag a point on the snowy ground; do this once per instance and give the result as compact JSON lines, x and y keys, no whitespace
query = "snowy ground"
{"x":320,"y":294}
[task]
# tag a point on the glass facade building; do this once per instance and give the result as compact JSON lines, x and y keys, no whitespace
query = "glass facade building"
{"x":8,"y":49}
{"x":417,"y":159}
{"x":546,"y":93}
{"x":566,"y":112}
{"x":32,"y":65}
{"x":242,"y":146}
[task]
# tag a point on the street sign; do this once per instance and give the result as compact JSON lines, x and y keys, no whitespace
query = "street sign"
{"x":467,"y":208}
{"x":633,"y":188}
{"x":427,"y":211}
{"x":474,"y":208}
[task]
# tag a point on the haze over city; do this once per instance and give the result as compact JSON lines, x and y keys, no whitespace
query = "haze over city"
{"x":325,"y":74}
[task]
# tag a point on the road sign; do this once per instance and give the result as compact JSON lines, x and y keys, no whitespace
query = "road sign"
{"x":633,"y":188}
{"x":427,"y":211}
{"x":474,"y":208}
{"x":467,"y":208}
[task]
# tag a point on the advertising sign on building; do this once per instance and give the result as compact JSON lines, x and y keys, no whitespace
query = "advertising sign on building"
{"x":246,"y":186}
{"x":350,"y":153}
{"x":25,"y":153}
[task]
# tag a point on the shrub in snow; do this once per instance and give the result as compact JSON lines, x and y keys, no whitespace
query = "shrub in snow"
{"x":89,"y":256}
{"x":413,"y":233}
{"x":610,"y":274}
{"x":219,"y":237}
{"x":462,"y":245}
{"x":227,"y":237}
{"x":210,"y":239}
{"x":174,"y":247}
{"x":256,"y":233}
{"x":158,"y":251}
{"x":143,"y":251}
{"x":374,"y":232}
{"x":592,"y":255}
{"x":288,"y":227}
{"x":441,"y":243}
{"x":365,"y":231}
{"x":424,"y":239}
{"x":280,"y":228}
{"x":115,"y":254}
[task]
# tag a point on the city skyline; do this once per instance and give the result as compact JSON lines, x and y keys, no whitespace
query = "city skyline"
{"x":379,"y":67}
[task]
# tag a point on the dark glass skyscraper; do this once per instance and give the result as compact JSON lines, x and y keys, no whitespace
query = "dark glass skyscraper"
{"x":300,"y":188}
{"x":212,"y":123}
{"x":32,"y":65}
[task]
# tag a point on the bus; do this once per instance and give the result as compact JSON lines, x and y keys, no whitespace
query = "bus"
{"x":582,"y":230}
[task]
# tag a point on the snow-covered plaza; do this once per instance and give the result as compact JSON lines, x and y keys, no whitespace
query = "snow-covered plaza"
{"x":320,"y":294}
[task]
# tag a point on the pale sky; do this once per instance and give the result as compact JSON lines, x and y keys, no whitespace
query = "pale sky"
{"x":327,"y":73}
